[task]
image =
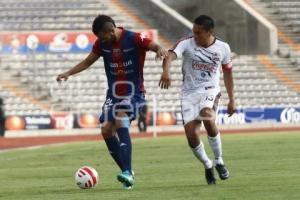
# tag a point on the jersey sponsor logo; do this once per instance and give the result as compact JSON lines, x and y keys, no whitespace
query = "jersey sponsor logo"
{"x":198,"y":65}
{"x":120,"y":68}
{"x":120,"y":64}
{"x":122,"y":72}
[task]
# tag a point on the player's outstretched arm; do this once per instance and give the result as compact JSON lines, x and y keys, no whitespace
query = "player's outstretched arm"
{"x":161,"y":53}
{"x":86,"y":63}
{"x":165,"y":80}
{"x":229,"y":85}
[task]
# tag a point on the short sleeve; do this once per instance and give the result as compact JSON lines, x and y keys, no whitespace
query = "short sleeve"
{"x":179,"y":47}
{"x":96,"y":48}
{"x":142,"y":41}
{"x":226,"y":62}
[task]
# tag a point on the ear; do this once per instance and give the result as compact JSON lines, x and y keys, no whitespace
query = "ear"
{"x":112,"y":30}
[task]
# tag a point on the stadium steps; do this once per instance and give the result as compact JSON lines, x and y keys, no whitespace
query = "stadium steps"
{"x":11,"y":83}
{"x":280,"y":73}
{"x":288,"y":40}
{"x":276,"y":17}
{"x":12,"y":91}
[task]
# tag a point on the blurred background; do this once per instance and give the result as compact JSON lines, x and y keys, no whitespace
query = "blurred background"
{"x":41,"y":38}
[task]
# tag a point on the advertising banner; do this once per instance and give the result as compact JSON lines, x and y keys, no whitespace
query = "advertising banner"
{"x":37,"y":122}
{"x":252,"y":115}
{"x":53,"y":41}
{"x":249,"y":115}
{"x":62,"y":120}
{"x":67,"y":120}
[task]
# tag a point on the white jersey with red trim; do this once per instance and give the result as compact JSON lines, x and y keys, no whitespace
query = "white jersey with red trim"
{"x":201,"y":66}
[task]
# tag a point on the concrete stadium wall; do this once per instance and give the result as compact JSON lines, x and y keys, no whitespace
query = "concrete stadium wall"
{"x":164,"y":16}
{"x":238,"y":24}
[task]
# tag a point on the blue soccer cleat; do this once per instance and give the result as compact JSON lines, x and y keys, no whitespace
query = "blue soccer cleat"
{"x":127,"y":179}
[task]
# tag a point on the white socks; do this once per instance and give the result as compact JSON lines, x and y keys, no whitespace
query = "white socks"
{"x":216,"y":145}
{"x":200,"y":153}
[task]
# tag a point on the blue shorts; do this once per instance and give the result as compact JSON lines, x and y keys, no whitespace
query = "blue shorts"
{"x":130,"y":105}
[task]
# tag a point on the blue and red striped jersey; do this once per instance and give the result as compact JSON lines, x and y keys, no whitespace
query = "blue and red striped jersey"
{"x":124,"y":62}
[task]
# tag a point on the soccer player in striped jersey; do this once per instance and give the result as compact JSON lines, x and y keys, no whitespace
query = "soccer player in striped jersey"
{"x":204,"y":56}
{"x":123,"y":53}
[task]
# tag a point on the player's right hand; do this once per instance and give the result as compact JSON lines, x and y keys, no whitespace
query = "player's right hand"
{"x":62,"y":77}
{"x":161,"y":54}
{"x":165,"y":80}
{"x":231,"y":108}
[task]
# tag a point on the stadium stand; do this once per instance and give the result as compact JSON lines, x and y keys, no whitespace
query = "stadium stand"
{"x":285,"y":15}
{"x":29,"y":85}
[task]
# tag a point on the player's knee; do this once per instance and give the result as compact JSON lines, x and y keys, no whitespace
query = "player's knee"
{"x":207,"y":114}
{"x":106,"y":130}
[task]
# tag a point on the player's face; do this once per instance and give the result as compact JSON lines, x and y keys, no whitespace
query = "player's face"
{"x":201,"y":35}
{"x":107,"y":36}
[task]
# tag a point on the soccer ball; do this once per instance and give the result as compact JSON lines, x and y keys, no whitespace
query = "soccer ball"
{"x":86,"y":177}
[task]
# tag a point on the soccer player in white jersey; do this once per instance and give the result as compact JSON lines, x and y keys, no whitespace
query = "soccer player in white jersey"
{"x":204,"y":56}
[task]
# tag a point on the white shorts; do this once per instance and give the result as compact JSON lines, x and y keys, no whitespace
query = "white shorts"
{"x":192,"y":104}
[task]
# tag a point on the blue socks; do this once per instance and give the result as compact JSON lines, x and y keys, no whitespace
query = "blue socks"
{"x":120,"y":147}
{"x":113,"y":146}
{"x":125,"y":148}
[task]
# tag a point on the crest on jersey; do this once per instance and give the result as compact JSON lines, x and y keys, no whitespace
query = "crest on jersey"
{"x":216,"y":57}
{"x":117,"y":53}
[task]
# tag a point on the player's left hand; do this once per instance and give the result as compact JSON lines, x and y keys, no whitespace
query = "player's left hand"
{"x":231,"y":109}
{"x":165,"y":80}
{"x":161,"y":54}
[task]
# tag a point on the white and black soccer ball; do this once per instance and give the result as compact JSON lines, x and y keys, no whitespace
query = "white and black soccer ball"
{"x":86,"y":177}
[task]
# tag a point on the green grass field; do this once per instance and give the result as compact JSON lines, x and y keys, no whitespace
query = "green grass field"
{"x":262,"y":167}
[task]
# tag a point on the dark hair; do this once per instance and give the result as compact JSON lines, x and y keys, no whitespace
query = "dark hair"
{"x":99,"y":22}
{"x":205,"y":21}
